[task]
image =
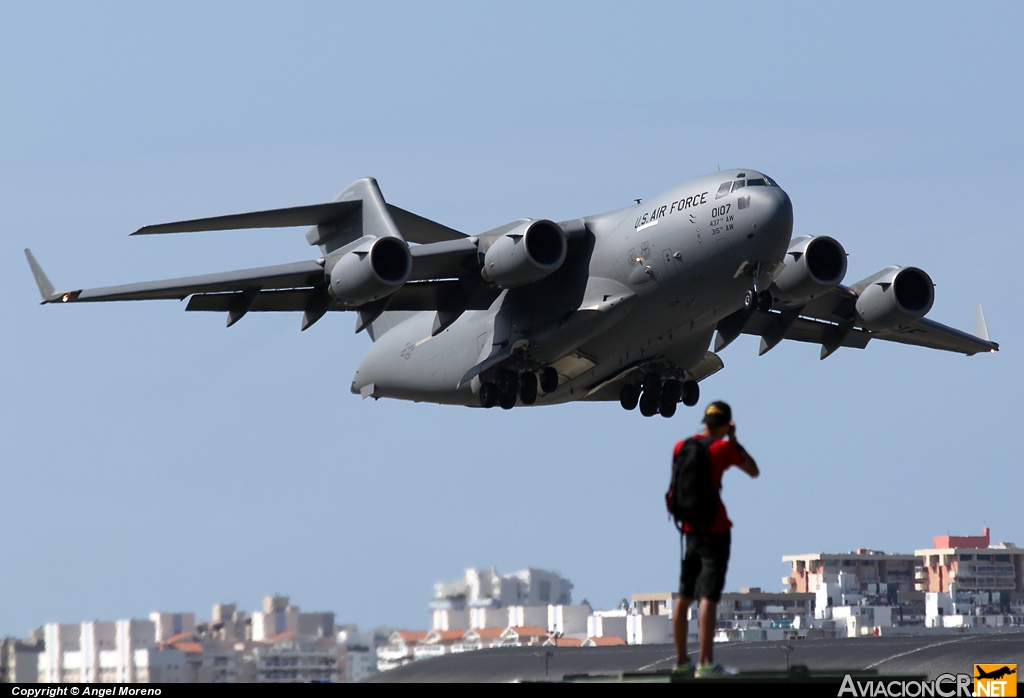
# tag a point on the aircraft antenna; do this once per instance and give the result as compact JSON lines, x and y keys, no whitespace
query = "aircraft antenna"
{"x":637,"y":200}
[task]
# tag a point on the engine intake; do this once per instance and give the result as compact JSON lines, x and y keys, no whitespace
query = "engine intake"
{"x":894,"y":298}
{"x":525,"y":254}
{"x":814,"y":266}
{"x":370,"y":273}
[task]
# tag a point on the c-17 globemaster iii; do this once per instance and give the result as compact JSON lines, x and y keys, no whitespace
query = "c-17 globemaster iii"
{"x":617,"y":306}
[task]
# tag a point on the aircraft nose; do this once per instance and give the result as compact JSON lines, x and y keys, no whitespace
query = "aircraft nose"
{"x":774,"y":211}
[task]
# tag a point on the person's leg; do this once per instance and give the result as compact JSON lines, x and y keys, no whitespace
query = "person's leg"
{"x":707,"y":619}
{"x":691,"y":565}
{"x":709,"y":587}
{"x":681,"y":628}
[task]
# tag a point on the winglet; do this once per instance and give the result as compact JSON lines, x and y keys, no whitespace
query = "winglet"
{"x":980,"y":326}
{"x":46,"y":289}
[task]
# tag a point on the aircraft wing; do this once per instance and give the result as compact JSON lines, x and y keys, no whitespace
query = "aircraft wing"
{"x":444,"y":278}
{"x":830,"y":320}
{"x":297,"y":274}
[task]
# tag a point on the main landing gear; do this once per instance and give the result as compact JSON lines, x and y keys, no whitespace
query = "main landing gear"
{"x":510,"y":386}
{"x":657,"y":397}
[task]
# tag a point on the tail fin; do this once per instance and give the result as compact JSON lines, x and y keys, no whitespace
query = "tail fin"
{"x":46,"y":289}
{"x":371,"y":218}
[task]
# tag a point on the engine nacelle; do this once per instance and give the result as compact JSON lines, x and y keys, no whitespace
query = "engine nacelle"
{"x":371,"y":272}
{"x":814,"y":265}
{"x":894,"y":298}
{"x":525,"y":254}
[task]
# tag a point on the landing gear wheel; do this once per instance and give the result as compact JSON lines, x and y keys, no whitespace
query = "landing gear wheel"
{"x":652,"y":386}
{"x":691,"y":393}
{"x":629,"y":396}
{"x":528,"y":388}
{"x":549,"y":379}
{"x":668,"y":409}
{"x":488,"y":395}
{"x":507,"y":400}
{"x":764,"y":301}
{"x":750,"y":302}
{"x":508,"y":382}
{"x":671,"y":391}
{"x":649,"y":406}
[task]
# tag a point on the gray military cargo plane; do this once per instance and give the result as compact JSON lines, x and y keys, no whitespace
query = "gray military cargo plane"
{"x":618,"y":306}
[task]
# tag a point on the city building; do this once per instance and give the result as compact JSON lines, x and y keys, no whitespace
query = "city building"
{"x":523,"y":636}
{"x":231,"y":648}
{"x":437,"y":643}
{"x":360,"y":653}
{"x":19,"y":659}
{"x":972,"y":564}
{"x":400,"y":649}
{"x":977,"y":611}
{"x":896,"y":572}
{"x":477,"y":600}
{"x":279,"y":616}
{"x":478,"y":639}
{"x":293,"y":658}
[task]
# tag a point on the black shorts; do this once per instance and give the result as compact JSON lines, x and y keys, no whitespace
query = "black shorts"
{"x":704,"y":563}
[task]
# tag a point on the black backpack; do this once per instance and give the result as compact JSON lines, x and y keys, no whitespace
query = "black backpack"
{"x":692,"y":496}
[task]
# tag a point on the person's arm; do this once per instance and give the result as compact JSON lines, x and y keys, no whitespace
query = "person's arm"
{"x":748,"y":465}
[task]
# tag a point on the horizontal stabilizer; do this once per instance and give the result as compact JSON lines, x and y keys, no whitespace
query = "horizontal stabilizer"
{"x":275,"y":218}
{"x":419,"y":229}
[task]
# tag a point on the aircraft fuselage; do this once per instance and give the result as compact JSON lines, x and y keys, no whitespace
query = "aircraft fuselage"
{"x":645,"y":287}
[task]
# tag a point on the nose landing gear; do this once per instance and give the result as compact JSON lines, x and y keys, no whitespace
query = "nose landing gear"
{"x":756,"y":300}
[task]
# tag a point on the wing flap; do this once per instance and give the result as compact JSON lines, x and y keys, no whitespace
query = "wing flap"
{"x":447,"y":296}
{"x":266,"y":301}
{"x":297,"y":274}
{"x":804,"y":329}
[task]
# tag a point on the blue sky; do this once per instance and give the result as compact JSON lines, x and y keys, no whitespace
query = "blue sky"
{"x":152,"y":459}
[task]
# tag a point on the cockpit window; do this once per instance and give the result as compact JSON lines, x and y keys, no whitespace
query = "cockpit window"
{"x":738,"y":184}
{"x":723,"y":190}
{"x":771,"y":182}
{"x":757,"y":182}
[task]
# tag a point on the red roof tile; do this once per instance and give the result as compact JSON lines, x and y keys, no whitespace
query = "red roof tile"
{"x":412,"y":635}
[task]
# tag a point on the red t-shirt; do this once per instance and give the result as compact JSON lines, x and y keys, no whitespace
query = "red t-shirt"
{"x":724,"y":455}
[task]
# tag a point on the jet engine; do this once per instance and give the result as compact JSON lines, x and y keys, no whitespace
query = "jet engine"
{"x":894,"y":298}
{"x":814,"y":265}
{"x":371,"y":272}
{"x":525,"y":254}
